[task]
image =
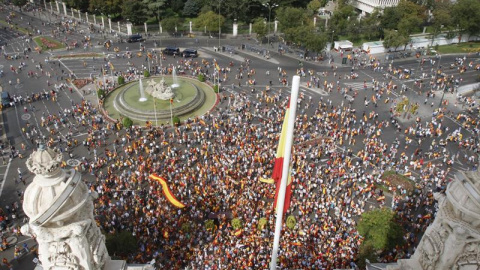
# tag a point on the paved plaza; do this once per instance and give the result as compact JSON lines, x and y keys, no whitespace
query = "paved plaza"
{"x":348,"y":132}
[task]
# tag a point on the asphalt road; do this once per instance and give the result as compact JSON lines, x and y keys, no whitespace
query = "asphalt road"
{"x":21,"y":115}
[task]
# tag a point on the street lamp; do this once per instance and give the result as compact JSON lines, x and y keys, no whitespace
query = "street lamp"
{"x":219,"y":28}
{"x":331,"y":43}
{"x":270,"y":7}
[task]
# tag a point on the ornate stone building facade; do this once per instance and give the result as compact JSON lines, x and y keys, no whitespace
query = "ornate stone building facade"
{"x":60,"y":208}
{"x":452,"y":241}
{"x":368,"y":6}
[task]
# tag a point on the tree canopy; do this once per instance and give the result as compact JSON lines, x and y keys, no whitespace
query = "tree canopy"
{"x":380,"y":229}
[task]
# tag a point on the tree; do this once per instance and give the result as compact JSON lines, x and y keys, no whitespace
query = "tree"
{"x":111,"y":7}
{"x":394,"y":39}
{"x":290,"y":17}
{"x":342,"y":18}
{"x":314,"y":6}
{"x":169,"y":24}
{"x":406,"y":17}
{"x":441,"y":20}
{"x":191,"y":8}
{"x":260,"y":28}
{"x":121,"y":244}
{"x":153,"y":8}
{"x":370,"y":25}
{"x":466,"y":14}
{"x":19,"y":3}
{"x":209,"y":19}
{"x":82,"y":5}
{"x":134,"y":11}
{"x":380,"y":229}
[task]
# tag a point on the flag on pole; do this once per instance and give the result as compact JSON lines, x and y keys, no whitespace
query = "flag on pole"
{"x":217,"y":66}
{"x":278,"y":166}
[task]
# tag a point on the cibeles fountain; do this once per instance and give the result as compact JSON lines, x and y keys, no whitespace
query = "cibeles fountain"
{"x":159,"y":98}
{"x":60,"y":207}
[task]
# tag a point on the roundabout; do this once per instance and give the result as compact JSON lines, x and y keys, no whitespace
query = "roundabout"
{"x":190,"y":98}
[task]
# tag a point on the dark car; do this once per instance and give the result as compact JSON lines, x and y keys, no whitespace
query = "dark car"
{"x":190,"y":53}
{"x":6,"y":99}
{"x":171,"y":51}
{"x":135,"y":38}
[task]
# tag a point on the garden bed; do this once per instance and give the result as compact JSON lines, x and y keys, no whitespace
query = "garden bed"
{"x":47,"y":43}
{"x":392,"y":179}
{"x":79,"y":83}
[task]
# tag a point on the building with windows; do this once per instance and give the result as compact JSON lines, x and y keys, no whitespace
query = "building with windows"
{"x":368,"y":6}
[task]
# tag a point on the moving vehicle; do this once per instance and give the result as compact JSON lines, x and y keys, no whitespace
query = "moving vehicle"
{"x":190,"y":53}
{"x":171,"y":51}
{"x":135,"y":38}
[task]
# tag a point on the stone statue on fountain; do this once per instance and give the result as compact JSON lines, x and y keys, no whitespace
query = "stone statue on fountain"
{"x":159,"y":90}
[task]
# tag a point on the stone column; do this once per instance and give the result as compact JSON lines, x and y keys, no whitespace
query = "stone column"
{"x":103,"y":23}
{"x":86,"y":15}
{"x":58,"y":6}
{"x":94,"y":19}
{"x":161,"y":29}
{"x":235,"y":28}
{"x":64,"y":8}
{"x":190,"y":23}
{"x":129,"y":28}
{"x":250,"y":29}
{"x":71,"y":9}
{"x":110,"y":24}
{"x":146,"y":28}
{"x":314,"y":21}
{"x":51,"y":7}
{"x":118,"y":24}
{"x":79,"y":15}
{"x":275,"y":27}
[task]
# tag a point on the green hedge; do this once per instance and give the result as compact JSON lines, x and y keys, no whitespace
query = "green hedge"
{"x":237,"y":223}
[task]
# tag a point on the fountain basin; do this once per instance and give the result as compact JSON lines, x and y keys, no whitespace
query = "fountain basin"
{"x":192,"y":98}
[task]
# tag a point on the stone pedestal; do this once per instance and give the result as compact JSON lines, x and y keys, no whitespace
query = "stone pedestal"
{"x":129,"y":28}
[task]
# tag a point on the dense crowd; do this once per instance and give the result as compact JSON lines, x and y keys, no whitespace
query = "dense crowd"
{"x":213,"y":164}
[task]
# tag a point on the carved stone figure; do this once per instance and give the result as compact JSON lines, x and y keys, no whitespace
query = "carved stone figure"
{"x":452,"y":241}
{"x":159,"y":90}
{"x":60,"y":208}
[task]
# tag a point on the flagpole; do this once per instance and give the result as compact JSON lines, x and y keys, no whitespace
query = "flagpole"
{"x":155,"y":108}
{"x":286,"y":167}
{"x":171,"y":117}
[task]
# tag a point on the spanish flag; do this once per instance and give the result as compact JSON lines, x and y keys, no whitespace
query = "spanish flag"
{"x":278,"y":166}
{"x":217,"y":66}
{"x":166,"y":191}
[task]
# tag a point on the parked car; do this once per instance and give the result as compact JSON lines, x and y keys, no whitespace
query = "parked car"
{"x":135,"y":38}
{"x":190,"y":53}
{"x":171,"y":51}
{"x":6,"y":99}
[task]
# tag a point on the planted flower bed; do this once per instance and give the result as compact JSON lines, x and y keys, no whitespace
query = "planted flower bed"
{"x":47,"y":43}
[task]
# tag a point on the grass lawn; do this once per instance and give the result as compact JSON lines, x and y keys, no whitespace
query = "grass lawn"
{"x":47,"y":43}
{"x":19,"y":29}
{"x":467,"y":47}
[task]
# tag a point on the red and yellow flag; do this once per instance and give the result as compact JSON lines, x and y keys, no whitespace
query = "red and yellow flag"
{"x":217,"y":66}
{"x":278,"y":166}
{"x":166,"y":191}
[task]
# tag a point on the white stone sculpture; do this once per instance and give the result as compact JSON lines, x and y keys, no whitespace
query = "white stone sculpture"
{"x":452,"y":241}
{"x":60,"y":208}
{"x":159,"y":90}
